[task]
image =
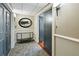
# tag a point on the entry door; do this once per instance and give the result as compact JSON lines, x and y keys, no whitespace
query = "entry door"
{"x":1,"y":31}
{"x":48,"y":31}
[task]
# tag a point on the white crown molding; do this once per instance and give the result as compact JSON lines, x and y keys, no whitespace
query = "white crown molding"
{"x":8,"y":6}
{"x":45,"y":8}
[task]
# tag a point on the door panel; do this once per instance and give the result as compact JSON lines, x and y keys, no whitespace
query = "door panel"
{"x":48,"y":31}
{"x":8,"y":42}
{"x":1,"y":30}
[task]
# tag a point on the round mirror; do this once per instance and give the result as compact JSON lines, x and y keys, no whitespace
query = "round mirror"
{"x":25,"y":22}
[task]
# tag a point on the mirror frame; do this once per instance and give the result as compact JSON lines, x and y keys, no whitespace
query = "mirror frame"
{"x":26,"y":19}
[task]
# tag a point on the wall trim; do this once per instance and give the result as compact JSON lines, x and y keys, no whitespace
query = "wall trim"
{"x":45,"y":8}
{"x":67,"y":38}
{"x":7,"y":6}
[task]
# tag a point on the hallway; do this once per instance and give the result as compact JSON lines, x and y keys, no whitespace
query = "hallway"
{"x":27,"y":49}
{"x":54,"y":28}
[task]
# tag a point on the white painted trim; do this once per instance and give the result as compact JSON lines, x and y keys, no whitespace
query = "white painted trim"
{"x":8,"y":6}
{"x":53,"y":31}
{"x":47,"y":7}
{"x":66,"y":37}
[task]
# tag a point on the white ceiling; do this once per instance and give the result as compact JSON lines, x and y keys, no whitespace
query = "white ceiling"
{"x":27,"y":8}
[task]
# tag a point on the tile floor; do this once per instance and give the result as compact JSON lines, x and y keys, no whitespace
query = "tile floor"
{"x":27,"y":49}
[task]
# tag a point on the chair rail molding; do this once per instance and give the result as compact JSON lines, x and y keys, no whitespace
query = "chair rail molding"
{"x":66,"y":37}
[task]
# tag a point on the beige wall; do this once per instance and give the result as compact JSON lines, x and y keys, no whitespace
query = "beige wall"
{"x":21,"y":29}
{"x":67,"y":25}
{"x":36,"y":29}
{"x":68,"y":20}
{"x":66,"y":47}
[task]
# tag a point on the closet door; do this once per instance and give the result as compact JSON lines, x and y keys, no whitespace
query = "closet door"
{"x":48,"y":31}
{"x":8,"y":40}
{"x":5,"y":40}
{"x":1,"y":31}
